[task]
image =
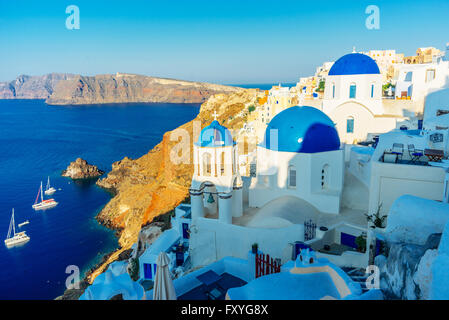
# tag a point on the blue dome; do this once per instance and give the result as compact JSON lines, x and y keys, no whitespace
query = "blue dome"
{"x":215,"y":135}
{"x":302,"y":129}
{"x":354,"y":63}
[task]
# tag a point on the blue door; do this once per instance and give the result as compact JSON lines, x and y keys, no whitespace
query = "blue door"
{"x":348,"y":240}
{"x":147,"y":271}
{"x":185,"y":231}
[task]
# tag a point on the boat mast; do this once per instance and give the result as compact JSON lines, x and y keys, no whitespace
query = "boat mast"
{"x":13,"y":223}
{"x":42,"y":196}
{"x":10,"y":225}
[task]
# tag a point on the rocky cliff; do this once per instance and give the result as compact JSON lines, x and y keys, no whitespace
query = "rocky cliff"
{"x":153,"y":184}
{"x":123,"y":88}
{"x":406,"y":273}
{"x":32,"y":87}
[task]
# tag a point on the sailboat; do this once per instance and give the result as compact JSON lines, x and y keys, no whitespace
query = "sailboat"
{"x":49,"y":190}
{"x":13,"y":238}
{"x":44,"y":204}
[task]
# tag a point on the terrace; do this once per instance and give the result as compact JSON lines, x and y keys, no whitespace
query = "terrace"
{"x":215,"y":289}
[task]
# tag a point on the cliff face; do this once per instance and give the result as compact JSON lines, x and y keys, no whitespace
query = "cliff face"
{"x":123,"y":88}
{"x":153,"y":185}
{"x":406,"y":273}
{"x":32,"y":87}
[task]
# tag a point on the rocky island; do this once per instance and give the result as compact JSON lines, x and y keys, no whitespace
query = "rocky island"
{"x":80,"y":169}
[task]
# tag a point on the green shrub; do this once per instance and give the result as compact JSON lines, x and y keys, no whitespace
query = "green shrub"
{"x":134,"y":269}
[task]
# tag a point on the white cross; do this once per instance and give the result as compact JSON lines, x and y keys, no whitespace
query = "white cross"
{"x":215,"y":115}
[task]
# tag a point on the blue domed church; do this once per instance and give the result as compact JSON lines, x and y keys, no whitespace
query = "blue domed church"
{"x":300,"y":157}
{"x":353,"y":97}
{"x":216,"y":189}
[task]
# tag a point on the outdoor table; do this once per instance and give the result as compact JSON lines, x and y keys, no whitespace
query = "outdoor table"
{"x":434,"y":155}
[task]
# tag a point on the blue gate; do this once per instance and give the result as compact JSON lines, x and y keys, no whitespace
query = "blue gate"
{"x":309,"y":230}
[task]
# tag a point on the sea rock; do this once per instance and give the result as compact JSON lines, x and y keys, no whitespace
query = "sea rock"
{"x":80,"y":169}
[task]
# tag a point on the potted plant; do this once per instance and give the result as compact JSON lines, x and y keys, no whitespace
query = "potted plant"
{"x":255,"y":248}
{"x":360,"y":241}
{"x":377,"y":219}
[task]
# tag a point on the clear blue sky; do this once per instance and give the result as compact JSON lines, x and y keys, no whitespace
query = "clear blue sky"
{"x":232,"y":41}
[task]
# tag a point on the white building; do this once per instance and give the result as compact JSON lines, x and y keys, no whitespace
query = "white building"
{"x":415,"y":81}
{"x":353,"y":99}
{"x":300,"y":157}
{"x":400,"y":163}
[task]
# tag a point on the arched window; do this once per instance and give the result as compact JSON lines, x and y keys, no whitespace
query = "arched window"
{"x":352,"y":91}
{"x":350,"y":125}
{"x":207,"y":167}
{"x":325,"y":177}
{"x":222,"y":164}
{"x":292,"y":177}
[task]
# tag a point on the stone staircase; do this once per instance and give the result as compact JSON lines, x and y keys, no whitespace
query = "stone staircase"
{"x":358,"y":275}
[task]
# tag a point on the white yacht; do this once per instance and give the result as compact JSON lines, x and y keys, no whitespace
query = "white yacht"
{"x":13,"y":238}
{"x":44,"y":204}
{"x":49,"y":190}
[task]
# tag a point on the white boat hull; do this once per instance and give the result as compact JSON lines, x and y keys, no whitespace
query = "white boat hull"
{"x":50,"y":191}
{"x":19,"y":238}
{"x":46,"y":204}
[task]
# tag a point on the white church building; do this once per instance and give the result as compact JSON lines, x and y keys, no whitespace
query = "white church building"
{"x":300,"y":157}
{"x":353,"y":99}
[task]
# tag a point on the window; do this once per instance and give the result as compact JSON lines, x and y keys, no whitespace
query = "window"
{"x":350,"y":125}
{"x":291,"y":177}
{"x":430,"y":75}
{"x":222,"y":164}
{"x":333,"y":90}
{"x":372,"y":91}
{"x":325,"y":177}
{"x":207,"y":169}
{"x":352,"y":91}
{"x":409,"y":76}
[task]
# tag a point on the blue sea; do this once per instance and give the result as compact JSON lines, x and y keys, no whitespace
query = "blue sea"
{"x":37,"y":141}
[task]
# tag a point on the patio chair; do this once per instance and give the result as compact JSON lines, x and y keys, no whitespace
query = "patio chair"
{"x":398,"y":149}
{"x":415,"y":154}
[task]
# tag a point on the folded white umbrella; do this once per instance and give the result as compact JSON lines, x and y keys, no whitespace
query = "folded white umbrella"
{"x":163,"y":285}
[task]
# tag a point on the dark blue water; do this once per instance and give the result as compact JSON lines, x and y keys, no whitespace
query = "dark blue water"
{"x":37,"y":141}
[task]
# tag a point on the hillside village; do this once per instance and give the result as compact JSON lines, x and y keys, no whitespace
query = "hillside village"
{"x":345,"y":174}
